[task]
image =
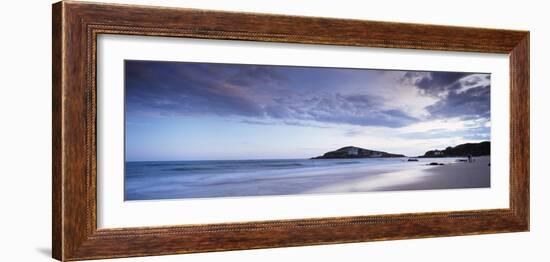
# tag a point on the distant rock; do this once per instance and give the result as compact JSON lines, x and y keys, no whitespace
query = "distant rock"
{"x":463,"y":150}
{"x":355,"y":152}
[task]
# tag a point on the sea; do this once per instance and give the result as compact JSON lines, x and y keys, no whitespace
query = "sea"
{"x":151,"y":180}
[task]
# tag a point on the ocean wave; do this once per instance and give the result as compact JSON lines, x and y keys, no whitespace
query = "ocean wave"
{"x":282,"y":165}
{"x":348,"y":163}
{"x":190,"y":169}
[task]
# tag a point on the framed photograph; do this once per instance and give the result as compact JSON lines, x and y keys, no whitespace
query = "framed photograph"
{"x":181,"y":130}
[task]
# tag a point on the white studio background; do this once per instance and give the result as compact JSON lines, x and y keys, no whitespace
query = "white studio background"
{"x":25,"y":146}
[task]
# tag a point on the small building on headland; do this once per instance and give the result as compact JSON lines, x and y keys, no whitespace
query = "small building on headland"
{"x":352,"y":151}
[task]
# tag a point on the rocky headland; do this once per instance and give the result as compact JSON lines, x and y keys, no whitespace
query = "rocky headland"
{"x":463,"y":150}
{"x":355,"y":152}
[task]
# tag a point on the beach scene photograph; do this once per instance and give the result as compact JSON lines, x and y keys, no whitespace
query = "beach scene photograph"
{"x":208,"y":130}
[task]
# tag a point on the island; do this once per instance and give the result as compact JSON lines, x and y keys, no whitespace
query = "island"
{"x":463,"y":150}
{"x":355,"y":152}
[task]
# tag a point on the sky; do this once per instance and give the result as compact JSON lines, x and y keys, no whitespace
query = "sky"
{"x":208,"y":111}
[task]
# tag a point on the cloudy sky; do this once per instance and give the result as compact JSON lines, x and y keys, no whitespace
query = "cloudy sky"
{"x":204,"y":111}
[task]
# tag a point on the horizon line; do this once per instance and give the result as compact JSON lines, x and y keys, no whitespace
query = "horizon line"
{"x":307,"y":158}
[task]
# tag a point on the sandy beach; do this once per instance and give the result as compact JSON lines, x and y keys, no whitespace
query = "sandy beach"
{"x":456,"y":175}
{"x":449,"y":176}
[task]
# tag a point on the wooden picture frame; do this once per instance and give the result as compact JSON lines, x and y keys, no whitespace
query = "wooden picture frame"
{"x":76,"y":26}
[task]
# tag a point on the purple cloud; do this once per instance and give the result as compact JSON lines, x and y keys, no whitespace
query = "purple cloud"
{"x":292,"y":95}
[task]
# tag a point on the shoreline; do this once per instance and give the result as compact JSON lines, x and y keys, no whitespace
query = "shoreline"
{"x":450,"y":176}
{"x":391,"y":176}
